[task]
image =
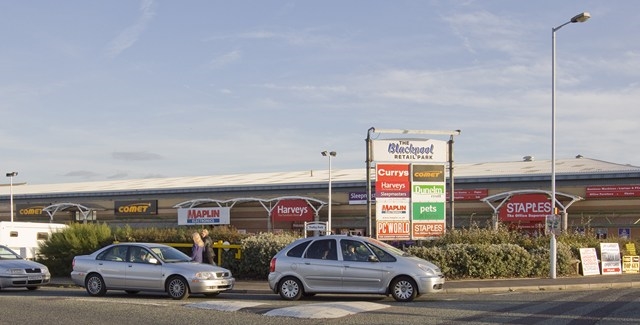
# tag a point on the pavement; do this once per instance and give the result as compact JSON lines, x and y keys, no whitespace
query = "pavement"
{"x":592,"y":282}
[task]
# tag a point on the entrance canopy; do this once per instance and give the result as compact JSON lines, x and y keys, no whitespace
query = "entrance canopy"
{"x":54,"y":208}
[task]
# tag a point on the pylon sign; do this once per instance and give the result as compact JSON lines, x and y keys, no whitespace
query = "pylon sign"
{"x":410,"y":196}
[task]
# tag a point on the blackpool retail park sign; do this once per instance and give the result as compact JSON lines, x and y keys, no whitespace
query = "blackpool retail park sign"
{"x":410,"y":188}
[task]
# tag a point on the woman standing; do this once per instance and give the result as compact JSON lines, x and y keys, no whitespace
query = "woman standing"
{"x":198,"y":247}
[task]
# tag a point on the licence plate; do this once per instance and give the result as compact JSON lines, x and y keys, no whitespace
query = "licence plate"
{"x":35,"y":277}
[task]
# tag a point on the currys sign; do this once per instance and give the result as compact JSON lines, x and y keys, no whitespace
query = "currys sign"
{"x":526,"y":207}
{"x":392,"y":181}
{"x":292,"y":210}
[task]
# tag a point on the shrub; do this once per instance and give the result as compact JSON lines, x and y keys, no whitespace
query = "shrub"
{"x":458,"y":261}
{"x":257,"y":252}
{"x":77,"y":239}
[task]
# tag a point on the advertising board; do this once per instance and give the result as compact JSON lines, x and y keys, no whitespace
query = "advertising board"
{"x":204,"y":216}
{"x":292,"y":210}
{"x":409,"y":150}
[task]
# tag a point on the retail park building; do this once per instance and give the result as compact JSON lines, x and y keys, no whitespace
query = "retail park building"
{"x":595,"y":194}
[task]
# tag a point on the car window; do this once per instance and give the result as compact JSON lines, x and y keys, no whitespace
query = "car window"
{"x":298,"y":250}
{"x":139,"y":254}
{"x":324,"y":249}
{"x":382,"y":255}
{"x":8,"y":254}
{"x":353,"y":250}
{"x":114,"y":254}
{"x":170,"y":254}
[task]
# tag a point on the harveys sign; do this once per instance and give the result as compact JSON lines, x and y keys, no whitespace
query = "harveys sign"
{"x":526,"y":208}
{"x":292,"y":210}
{"x":127,"y":208}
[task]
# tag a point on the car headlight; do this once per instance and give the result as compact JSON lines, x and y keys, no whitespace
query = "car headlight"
{"x":205,"y":275}
{"x":16,"y":271}
{"x":44,"y":270}
{"x":427,"y":270}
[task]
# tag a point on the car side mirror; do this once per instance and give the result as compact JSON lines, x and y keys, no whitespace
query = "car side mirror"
{"x":373,"y":258}
{"x":153,"y":260}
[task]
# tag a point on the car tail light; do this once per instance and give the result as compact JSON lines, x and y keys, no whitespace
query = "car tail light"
{"x":73,"y":263}
{"x":272,"y":265}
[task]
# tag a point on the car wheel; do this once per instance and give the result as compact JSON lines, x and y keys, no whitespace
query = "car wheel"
{"x":131,"y":292}
{"x":95,"y":285}
{"x":291,"y":289}
{"x":177,"y":288}
{"x":404,"y":289}
{"x":32,"y":288}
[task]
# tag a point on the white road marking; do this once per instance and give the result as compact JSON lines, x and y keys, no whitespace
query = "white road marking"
{"x":224,"y":305}
{"x":326,"y":310}
{"x":127,"y":301}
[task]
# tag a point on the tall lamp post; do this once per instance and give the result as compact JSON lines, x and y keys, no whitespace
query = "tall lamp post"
{"x":11,"y":175}
{"x":580,"y":18}
{"x":329,"y":154}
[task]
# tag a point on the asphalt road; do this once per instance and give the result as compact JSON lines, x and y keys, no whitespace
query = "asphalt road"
{"x":72,"y":306}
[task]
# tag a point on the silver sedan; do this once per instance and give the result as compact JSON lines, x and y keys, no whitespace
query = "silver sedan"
{"x":135,"y":267}
{"x":16,"y":272}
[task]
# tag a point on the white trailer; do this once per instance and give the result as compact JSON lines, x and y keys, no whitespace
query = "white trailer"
{"x":24,"y":237}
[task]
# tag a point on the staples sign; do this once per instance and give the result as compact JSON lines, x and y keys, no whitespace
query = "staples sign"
{"x":292,"y":210}
{"x":526,"y":207}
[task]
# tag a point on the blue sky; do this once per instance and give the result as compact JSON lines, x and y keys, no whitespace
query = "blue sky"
{"x":107,"y":90}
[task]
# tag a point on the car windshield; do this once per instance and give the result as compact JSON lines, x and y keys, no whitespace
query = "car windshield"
{"x":7,"y":254}
{"x":389,"y":248}
{"x":169,"y":254}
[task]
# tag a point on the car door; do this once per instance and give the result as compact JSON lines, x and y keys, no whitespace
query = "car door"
{"x":141,"y":273}
{"x":111,"y":266}
{"x":360,"y":273}
{"x":320,"y":268}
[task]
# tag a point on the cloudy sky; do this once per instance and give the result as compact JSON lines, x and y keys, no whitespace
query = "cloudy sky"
{"x":107,"y":90}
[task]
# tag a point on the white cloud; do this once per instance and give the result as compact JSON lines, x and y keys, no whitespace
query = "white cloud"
{"x":130,"y":35}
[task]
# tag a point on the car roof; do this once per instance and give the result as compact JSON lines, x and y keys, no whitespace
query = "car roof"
{"x":148,"y":245}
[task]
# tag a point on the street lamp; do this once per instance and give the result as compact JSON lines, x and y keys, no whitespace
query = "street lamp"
{"x":329,"y":154}
{"x":11,"y":175}
{"x":580,"y":18}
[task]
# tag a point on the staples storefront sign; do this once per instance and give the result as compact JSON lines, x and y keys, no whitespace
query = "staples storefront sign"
{"x":204,"y":216}
{"x":526,"y":208}
{"x":409,"y":150}
{"x":292,"y":210}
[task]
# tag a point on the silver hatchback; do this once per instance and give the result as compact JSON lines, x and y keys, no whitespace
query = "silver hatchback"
{"x":350,"y":264}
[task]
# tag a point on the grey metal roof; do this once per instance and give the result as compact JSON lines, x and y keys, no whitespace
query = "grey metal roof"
{"x":311,"y":178}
